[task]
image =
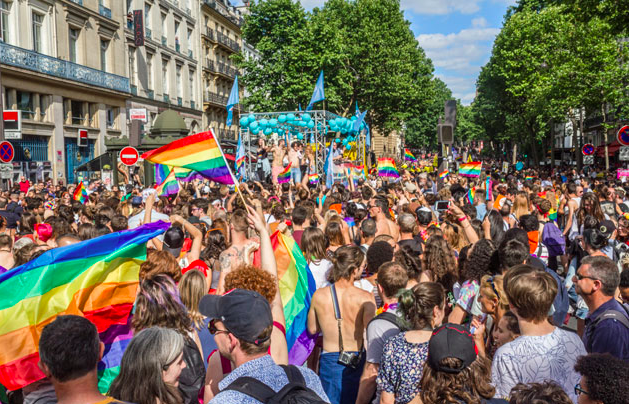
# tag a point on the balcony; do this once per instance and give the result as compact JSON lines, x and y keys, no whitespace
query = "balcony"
{"x":166,"y":98}
{"x":235,"y":19}
{"x":37,"y":62}
{"x":178,"y":47}
{"x":180,"y":101}
{"x":134,"y":89}
{"x":226,"y":134}
{"x":79,"y":2}
{"x":209,"y":32}
{"x":150,"y":94}
{"x":192,"y":105}
{"x":214,"y":98}
{"x":104,"y":11}
{"x":147,"y":32}
{"x":164,"y":40}
{"x":226,"y":41}
{"x":130,"y":24}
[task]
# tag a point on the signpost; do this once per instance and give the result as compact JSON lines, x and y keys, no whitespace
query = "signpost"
{"x":623,"y":135}
{"x":588,"y":149}
{"x":129,"y":156}
{"x":6,"y":152}
{"x":588,"y":160}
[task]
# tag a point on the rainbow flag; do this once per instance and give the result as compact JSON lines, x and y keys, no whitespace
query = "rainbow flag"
{"x":472,"y":169}
{"x":296,"y":288}
{"x":162,"y":176}
{"x":386,"y":167}
{"x":199,"y":152}
{"x":488,"y":185}
{"x":471,"y":193}
{"x":284,"y":176}
{"x":80,"y":193}
{"x":96,"y":279}
{"x":357,"y":172}
{"x":528,"y":178}
{"x":444,"y":174}
{"x":313,"y":178}
{"x":408,"y":156}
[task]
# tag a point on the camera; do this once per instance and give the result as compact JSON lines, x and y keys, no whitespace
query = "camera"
{"x":350,"y":359}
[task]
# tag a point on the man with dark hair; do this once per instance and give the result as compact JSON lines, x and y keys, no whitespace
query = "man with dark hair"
{"x":368,"y":230}
{"x":538,"y":393}
{"x":624,"y":285}
{"x":242,"y":323}
{"x":391,"y":278}
{"x":379,"y":211}
{"x":10,"y":217}
{"x":480,"y":203}
{"x":300,"y":221}
{"x":607,"y":324}
{"x":199,"y":209}
{"x":119,"y":222}
{"x":603,"y":379}
{"x":69,"y":352}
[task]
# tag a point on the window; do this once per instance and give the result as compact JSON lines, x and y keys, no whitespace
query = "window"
{"x":165,"y":75}
{"x":111,"y":117}
{"x":132,"y":66}
{"x":149,"y":70}
{"x":164,"y":25}
{"x":24,"y":101}
{"x":104,"y":45}
{"x":191,"y":89}
{"x":38,"y":22}
{"x":5,"y":9}
{"x":176,"y":28}
{"x":74,"y":39}
{"x":76,"y":108}
{"x":179,"y":89}
{"x":129,"y":6}
{"x":147,"y":15}
{"x":190,"y":39}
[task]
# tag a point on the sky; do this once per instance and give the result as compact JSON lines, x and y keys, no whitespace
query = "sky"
{"x":457,"y":35}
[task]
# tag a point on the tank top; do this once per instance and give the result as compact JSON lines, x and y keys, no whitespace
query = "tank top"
{"x":574,"y":229}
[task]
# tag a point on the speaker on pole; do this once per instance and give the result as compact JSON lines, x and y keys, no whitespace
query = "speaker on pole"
{"x":449,"y":112}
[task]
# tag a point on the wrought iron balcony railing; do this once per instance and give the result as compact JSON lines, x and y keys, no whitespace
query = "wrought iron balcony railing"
{"x":104,"y":11}
{"x":37,"y":62}
{"x":215,"y":98}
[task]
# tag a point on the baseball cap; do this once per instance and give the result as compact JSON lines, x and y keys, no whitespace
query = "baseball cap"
{"x":136,"y":201}
{"x":607,"y":227}
{"x":451,"y":341}
{"x":244,"y":313}
{"x":173,"y":240}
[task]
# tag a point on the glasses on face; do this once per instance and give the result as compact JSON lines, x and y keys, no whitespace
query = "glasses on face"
{"x":580,"y":277}
{"x":578,"y":390}
{"x":213,"y":330}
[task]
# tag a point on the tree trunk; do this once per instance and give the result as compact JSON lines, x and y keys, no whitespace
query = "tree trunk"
{"x":605,"y":136}
{"x":552,"y":144}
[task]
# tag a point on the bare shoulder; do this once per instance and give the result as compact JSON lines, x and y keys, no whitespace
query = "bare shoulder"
{"x":319,"y":293}
{"x":361,"y":294}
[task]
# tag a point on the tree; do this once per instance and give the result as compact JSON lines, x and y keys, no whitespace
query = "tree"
{"x":466,"y":127}
{"x":421,"y":130}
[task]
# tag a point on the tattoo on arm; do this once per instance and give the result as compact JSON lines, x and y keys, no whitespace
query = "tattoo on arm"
{"x":225,"y":262}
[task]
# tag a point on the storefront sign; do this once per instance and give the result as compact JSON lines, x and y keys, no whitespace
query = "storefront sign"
{"x":623,"y":173}
{"x":138,"y":113}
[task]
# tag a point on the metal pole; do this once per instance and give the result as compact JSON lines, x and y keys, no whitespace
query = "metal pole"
{"x":1,"y":110}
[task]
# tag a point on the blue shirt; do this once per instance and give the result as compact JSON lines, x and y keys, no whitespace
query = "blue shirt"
{"x":609,"y":335}
{"x":481,"y":211}
{"x":265,"y":370}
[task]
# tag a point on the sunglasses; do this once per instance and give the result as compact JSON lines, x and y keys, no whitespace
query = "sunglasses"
{"x":578,"y":390}
{"x":580,"y":277}
{"x":213,"y":330}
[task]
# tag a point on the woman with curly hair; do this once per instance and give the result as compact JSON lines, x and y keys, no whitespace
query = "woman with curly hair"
{"x":481,"y":260}
{"x":454,"y":373}
{"x":406,"y":257}
{"x":453,"y":234}
{"x":214,"y":245}
{"x":590,"y":206}
{"x":404,"y":355}
{"x":160,"y":262}
{"x":539,"y":393}
{"x":439,"y":264}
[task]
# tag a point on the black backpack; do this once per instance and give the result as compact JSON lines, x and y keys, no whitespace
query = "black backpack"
{"x":390,"y":317}
{"x":295,"y":392}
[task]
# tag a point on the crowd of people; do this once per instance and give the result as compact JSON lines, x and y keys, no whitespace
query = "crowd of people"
{"x":505,"y":288}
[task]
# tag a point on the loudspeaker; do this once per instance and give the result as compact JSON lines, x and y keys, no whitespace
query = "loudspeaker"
{"x":449,"y":112}
{"x":446,"y":133}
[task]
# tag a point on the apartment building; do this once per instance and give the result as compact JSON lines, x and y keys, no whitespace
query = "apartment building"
{"x":63,"y":66}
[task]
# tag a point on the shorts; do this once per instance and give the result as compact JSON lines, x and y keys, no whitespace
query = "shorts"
{"x":339,"y":382}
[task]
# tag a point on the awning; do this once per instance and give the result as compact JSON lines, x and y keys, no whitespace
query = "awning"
{"x":612,"y":148}
{"x":96,"y":164}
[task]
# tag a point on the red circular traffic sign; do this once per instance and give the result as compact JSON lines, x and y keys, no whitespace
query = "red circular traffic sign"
{"x":6,"y":152}
{"x":588,"y":149}
{"x":623,"y":135}
{"x":129,"y":156}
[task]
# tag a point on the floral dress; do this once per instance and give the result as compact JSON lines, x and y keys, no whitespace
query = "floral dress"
{"x":401,"y":368}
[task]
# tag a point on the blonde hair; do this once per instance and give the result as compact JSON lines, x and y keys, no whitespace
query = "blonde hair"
{"x":192,"y":288}
{"x":490,"y":285}
{"x":521,"y":205}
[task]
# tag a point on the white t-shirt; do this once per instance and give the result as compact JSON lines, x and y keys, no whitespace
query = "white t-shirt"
{"x":364,"y":284}
{"x":134,"y":221}
{"x":320,"y":270}
{"x":534,"y":359}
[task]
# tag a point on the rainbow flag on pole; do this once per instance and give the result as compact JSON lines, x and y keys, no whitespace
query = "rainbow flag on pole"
{"x":96,"y":279}
{"x":313,"y":179}
{"x":284,"y":176}
{"x":199,"y":152}
{"x":444,"y":174}
{"x":471,"y":193}
{"x":386,"y":167}
{"x":163,"y":176}
{"x":408,"y":156}
{"x":472,"y":169}
{"x":80,"y":193}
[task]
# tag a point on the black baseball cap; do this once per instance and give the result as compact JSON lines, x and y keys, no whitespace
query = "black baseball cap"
{"x":244,"y":313}
{"x":451,"y":341}
{"x":173,"y":240}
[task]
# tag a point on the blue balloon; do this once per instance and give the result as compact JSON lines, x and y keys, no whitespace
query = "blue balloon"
{"x":332,"y":122}
{"x":251,"y":118}
{"x":273,"y":122}
{"x":306,"y":117}
{"x":255,"y":130}
{"x":343,"y":121}
{"x":310,"y":124}
{"x":348,"y":146}
{"x":300,"y":136}
{"x":254,"y":125}
{"x":281,"y":118}
{"x":290,"y":117}
{"x":244,"y":121}
{"x":343,"y":131}
{"x":353,"y":118}
{"x":264,"y":122}
{"x":337,"y":140}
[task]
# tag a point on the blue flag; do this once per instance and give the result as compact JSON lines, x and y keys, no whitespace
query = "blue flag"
{"x":318,"y":94}
{"x":233,"y":99}
{"x":240,"y":158}
{"x":328,"y":167}
{"x":360,"y":120}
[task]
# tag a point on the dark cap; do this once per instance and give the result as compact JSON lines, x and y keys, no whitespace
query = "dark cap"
{"x":451,"y":341}
{"x":607,"y":227}
{"x":173,"y":240}
{"x":136,"y":201}
{"x":245,"y":313}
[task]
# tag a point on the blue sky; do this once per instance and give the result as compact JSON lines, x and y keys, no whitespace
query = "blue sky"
{"x":457,"y":35}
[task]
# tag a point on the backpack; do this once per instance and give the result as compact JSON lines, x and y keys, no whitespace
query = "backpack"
{"x":553,"y":239}
{"x":621,"y":317}
{"x":387,"y":316}
{"x":295,"y":392}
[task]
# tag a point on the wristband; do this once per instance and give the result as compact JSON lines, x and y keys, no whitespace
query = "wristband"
{"x":462,"y":218}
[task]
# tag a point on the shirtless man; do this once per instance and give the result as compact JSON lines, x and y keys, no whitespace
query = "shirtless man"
{"x":279,"y":152}
{"x":294,"y":157}
{"x":379,"y":211}
{"x":357,"y":307}
{"x":241,"y":250}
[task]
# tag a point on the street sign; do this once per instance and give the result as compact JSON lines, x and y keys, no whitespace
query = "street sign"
{"x":138,"y":113}
{"x":12,"y":124}
{"x":587,"y":160}
{"x":81,"y":137}
{"x":588,"y":149}
{"x":623,"y":153}
{"x":6,"y":171}
{"x":6,"y":152}
{"x":129,"y":156}
{"x":623,"y":135}
{"x":505,"y":167}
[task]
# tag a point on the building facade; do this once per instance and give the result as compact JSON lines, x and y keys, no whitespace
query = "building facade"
{"x":63,"y":68}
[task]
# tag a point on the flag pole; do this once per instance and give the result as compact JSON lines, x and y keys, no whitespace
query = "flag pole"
{"x":236,"y":183}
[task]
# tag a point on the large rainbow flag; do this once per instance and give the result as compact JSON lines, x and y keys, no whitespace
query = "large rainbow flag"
{"x":386,"y":167}
{"x":80,"y":193}
{"x":96,"y":279}
{"x":472,"y":169}
{"x":199,"y":152}
{"x":170,"y":184}
{"x":296,"y":288}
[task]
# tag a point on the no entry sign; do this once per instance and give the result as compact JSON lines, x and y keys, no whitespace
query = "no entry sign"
{"x":588,"y":149}
{"x":129,"y":156}
{"x":623,"y":135}
{"x":6,"y":152}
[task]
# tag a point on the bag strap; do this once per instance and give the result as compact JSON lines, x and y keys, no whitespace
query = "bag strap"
{"x":386,"y":316}
{"x":337,"y":314}
{"x":621,"y":317}
{"x":253,"y":388}
{"x":294,"y":375}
